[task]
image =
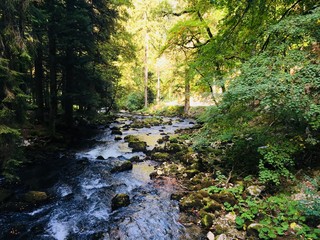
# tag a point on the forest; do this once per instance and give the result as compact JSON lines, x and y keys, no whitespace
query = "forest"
{"x":246,"y":71}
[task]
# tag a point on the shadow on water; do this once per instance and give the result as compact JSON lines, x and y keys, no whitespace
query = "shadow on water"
{"x":82,"y":188}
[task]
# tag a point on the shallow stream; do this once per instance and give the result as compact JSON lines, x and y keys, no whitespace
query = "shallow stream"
{"x":81,"y":205}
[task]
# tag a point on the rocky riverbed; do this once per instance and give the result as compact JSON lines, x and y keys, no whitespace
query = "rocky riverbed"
{"x":103,"y":191}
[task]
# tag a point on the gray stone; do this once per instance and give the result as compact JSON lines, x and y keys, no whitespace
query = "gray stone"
{"x":210,"y":235}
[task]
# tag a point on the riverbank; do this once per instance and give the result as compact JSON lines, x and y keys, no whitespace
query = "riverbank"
{"x":229,"y":205}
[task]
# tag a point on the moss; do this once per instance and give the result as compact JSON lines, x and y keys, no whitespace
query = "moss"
{"x":191,"y":172}
{"x":191,"y":202}
{"x":160,"y":156}
{"x":138,"y":146}
{"x":35,"y":197}
{"x":131,"y":138}
{"x":212,"y":206}
{"x":224,"y":196}
{"x":207,"y":220}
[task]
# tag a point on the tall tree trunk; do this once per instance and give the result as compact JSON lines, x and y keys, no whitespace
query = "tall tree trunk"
{"x":68,"y":88}
{"x":146,"y":52}
{"x":39,"y":74}
{"x":186,"y":92}
{"x":69,"y":74}
{"x":53,"y":79}
{"x":158,"y":86}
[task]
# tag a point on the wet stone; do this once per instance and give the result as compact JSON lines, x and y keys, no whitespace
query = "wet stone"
{"x":125,"y":166}
{"x":116,"y":132}
{"x":117,"y":138}
{"x":100,"y":158}
{"x":35,"y":197}
{"x":119,"y":201}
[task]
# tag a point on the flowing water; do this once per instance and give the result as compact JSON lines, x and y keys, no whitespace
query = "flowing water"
{"x":81,"y":205}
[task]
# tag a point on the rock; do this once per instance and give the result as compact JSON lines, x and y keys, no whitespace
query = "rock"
{"x":153,"y":175}
{"x":207,"y":220}
{"x":191,"y":172}
{"x":5,"y":194}
{"x":116,"y":132}
{"x":255,"y":191}
{"x":117,"y":138}
{"x":253,"y":230}
{"x":222,"y":237}
{"x":224,"y":196}
{"x":135,"y":159}
{"x":174,"y":147}
{"x":100,"y":158}
{"x":83,"y":161}
{"x":210,"y":236}
{"x":212,"y":206}
{"x":176,"y":196}
{"x":120,"y":200}
{"x":35,"y":197}
{"x":131,"y":138}
{"x":124,"y":166}
{"x":231,"y":218}
{"x":160,"y":141}
{"x":190,"y":202}
{"x":138,"y":146}
{"x":160,"y":156}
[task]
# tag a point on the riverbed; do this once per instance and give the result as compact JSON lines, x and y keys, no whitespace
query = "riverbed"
{"x":80,"y":206}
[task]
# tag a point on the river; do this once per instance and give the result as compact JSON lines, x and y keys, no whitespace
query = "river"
{"x":81,"y":196}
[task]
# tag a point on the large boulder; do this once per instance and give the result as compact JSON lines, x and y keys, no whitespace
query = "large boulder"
{"x":121,"y":167}
{"x":120,"y":200}
{"x":35,"y":197}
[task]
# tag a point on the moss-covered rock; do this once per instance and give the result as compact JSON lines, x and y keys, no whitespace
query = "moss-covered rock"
{"x":207,"y":220}
{"x":191,"y":172}
{"x":124,"y":166}
{"x":131,"y":138}
{"x":174,"y":147}
{"x":224,"y":196}
{"x":191,"y":202}
{"x":138,"y":146}
{"x":160,"y":156}
{"x":35,"y":197}
{"x":120,"y":200}
{"x":212,"y":206}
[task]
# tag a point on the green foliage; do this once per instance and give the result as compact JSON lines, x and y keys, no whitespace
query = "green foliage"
{"x":134,"y":101}
{"x":310,"y":206}
{"x":275,"y":215}
{"x":276,"y":163}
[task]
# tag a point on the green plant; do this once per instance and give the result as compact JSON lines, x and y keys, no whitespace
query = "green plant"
{"x":274,"y":216}
{"x":275,"y":163}
{"x":310,"y":206}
